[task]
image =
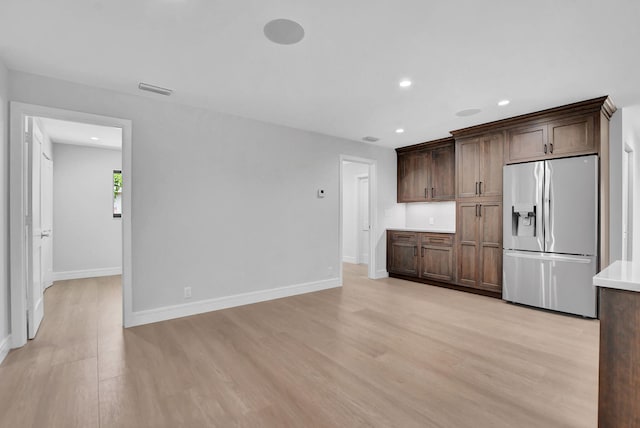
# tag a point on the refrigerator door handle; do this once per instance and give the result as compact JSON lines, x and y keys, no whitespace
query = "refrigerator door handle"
{"x":546,"y":224}
{"x":547,"y":256}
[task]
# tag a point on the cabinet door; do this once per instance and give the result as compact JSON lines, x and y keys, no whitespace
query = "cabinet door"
{"x":491,"y":160}
{"x":436,"y":262}
{"x":490,"y":246}
{"x":403,"y":258}
{"x":412,"y":185}
{"x":572,"y":136}
{"x":468,"y":245}
{"x":467,"y":167}
{"x":526,"y":143}
{"x":442,"y":171}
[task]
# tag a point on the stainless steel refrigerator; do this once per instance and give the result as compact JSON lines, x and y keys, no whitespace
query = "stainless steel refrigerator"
{"x":550,"y":236}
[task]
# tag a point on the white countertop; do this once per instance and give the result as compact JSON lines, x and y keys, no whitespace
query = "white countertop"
{"x":417,"y":229}
{"x":621,"y":275}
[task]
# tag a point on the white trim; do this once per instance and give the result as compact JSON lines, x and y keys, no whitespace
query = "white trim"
{"x":373,"y":211}
{"x":87,"y":273}
{"x":349,"y":259}
{"x":17,"y":158}
{"x":381,"y":274}
{"x":202,"y":306}
{"x":5,"y":347}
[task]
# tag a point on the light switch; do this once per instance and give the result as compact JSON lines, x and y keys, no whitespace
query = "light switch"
{"x":431,"y":221}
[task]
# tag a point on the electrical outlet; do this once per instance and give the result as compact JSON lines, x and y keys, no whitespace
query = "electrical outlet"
{"x":431,"y":221}
{"x":329,"y":270}
{"x":187,"y":292}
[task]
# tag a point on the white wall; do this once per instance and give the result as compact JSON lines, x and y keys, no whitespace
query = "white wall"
{"x":631,"y":136}
{"x":350,"y":173}
{"x":435,"y":216}
{"x":616,"y":144}
{"x":223,"y":204}
{"x":5,"y":323}
{"x":87,"y":240}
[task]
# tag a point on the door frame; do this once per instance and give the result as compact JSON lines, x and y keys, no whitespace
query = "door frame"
{"x":17,"y":209}
{"x":373,"y":220}
{"x":359,"y":229}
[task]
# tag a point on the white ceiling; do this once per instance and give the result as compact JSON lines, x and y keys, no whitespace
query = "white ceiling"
{"x":342,"y":79}
{"x":82,"y":134}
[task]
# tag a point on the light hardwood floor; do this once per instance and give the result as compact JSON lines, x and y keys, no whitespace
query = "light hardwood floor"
{"x":385,"y":353}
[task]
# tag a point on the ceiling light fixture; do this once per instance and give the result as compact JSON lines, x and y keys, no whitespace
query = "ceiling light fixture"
{"x":405,"y":83}
{"x":95,"y":138}
{"x":468,"y":112}
{"x":284,"y":31}
{"x":155,"y":89}
{"x":370,"y":139}
{"x":503,"y":103}
{"x":399,"y":131}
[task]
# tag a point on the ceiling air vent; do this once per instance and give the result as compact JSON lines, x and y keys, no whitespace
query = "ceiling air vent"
{"x":370,"y":139}
{"x":154,"y":89}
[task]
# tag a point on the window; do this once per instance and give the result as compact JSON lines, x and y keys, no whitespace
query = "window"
{"x":117,"y":193}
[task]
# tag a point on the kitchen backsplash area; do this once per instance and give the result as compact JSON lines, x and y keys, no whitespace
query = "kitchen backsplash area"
{"x":431,"y":215}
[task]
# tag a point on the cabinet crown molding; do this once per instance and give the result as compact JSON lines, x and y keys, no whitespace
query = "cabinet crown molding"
{"x":603,"y":104}
{"x":425,"y":145}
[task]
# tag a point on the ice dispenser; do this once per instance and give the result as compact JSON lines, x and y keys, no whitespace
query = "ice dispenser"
{"x":524,"y":219}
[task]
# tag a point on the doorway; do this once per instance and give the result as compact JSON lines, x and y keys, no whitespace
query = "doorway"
{"x":32,"y":209}
{"x":357,"y":213}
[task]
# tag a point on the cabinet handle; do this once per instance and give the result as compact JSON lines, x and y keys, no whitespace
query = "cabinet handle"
{"x":432,"y":193}
{"x":545,"y":149}
{"x":479,"y":210}
{"x":421,"y":251}
{"x":476,"y":210}
{"x":425,"y":193}
{"x":480,"y":188}
{"x":415,"y":251}
{"x":476,"y":187}
{"x":551,"y":147}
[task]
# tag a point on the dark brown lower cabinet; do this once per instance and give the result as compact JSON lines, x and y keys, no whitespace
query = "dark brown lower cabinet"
{"x":402,"y":253}
{"x":436,"y":257}
{"x":480,"y":245}
{"x":619,"y":384}
{"x":421,"y":255}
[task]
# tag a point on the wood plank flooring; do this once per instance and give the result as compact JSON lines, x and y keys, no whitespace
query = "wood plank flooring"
{"x":386,"y":353}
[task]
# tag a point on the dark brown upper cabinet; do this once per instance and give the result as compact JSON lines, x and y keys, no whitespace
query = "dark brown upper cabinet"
{"x":479,"y":165}
{"x":426,"y":172}
{"x":558,"y":138}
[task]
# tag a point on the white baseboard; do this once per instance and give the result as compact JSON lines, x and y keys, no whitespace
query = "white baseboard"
{"x":5,"y":347}
{"x":382,"y":274}
{"x":364,"y":258}
{"x":88,"y":273}
{"x":349,"y":259}
{"x":209,"y":305}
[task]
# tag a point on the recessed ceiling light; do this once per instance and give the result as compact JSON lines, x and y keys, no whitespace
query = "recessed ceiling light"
{"x":95,"y":138}
{"x":503,"y":103}
{"x":284,"y":31}
{"x":468,"y":112}
{"x":370,"y":139}
{"x":399,"y":131}
{"x":405,"y":83}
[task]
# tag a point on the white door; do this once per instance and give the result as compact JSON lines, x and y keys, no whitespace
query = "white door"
{"x":46,"y":209}
{"x":363,"y":220}
{"x":35,"y":297}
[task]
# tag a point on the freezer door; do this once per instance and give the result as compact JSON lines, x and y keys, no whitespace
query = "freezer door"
{"x":571,"y":205}
{"x":551,"y":281}
{"x":522,"y":206}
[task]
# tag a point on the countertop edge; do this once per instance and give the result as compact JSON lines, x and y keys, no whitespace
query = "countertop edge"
{"x":620,"y":275}
{"x":414,"y":229}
